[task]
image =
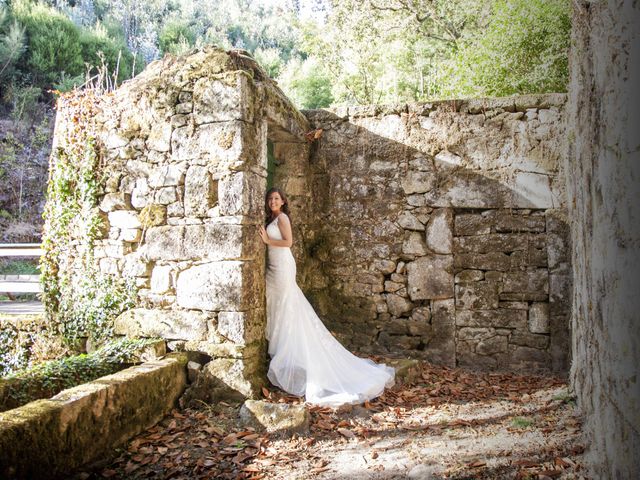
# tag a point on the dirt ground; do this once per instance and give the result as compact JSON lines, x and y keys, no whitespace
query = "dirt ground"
{"x":445,"y":423}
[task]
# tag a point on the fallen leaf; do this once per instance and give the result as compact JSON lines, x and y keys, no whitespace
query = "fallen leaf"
{"x":346,"y":433}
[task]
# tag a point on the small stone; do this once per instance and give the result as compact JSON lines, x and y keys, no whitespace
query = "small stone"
{"x":469,"y":276}
{"x":384,"y":266}
{"x":130,"y":234}
{"x":414,"y":245}
{"x":153,"y":215}
{"x":281,"y":418}
{"x":115,"y":201}
{"x":418,"y":182}
{"x":398,"y":305}
{"x":407,"y":221}
{"x":124,"y":219}
{"x":166,"y":195}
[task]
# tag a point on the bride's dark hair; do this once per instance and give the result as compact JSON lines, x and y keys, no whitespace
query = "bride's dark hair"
{"x":285,"y":206}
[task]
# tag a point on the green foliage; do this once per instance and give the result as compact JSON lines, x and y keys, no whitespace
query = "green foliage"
{"x":48,"y":378}
{"x":521,"y":422}
{"x":24,"y":102}
{"x":12,"y":44}
{"x":388,"y":51}
{"x":13,"y":355}
{"x":306,"y":84}
{"x":79,"y":298}
{"x":99,"y":48}
{"x":524,"y":49}
{"x":176,"y":37}
{"x":19,"y":267}
{"x":53,"y":42}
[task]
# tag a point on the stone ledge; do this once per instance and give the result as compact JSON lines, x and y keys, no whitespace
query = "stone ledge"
{"x":50,"y":438}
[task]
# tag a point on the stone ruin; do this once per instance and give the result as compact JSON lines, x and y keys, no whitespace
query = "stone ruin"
{"x":433,"y":231}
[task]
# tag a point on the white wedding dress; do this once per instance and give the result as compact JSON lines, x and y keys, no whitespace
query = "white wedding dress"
{"x":305,"y":358}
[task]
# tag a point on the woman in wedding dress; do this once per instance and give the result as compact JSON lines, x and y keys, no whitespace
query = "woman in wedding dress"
{"x":305,"y":358}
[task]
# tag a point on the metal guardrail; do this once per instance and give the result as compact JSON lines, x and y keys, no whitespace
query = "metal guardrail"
{"x":20,"y":283}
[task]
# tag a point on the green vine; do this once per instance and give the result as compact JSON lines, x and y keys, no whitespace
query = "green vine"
{"x":48,"y":378}
{"x":79,"y":299}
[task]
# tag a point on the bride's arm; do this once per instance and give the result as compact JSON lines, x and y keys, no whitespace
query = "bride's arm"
{"x":285,"y":230}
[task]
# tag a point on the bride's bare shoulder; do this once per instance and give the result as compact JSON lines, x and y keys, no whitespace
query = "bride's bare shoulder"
{"x":283,"y":217}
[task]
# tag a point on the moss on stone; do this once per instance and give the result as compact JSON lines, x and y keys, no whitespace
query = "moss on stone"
{"x":152,"y":215}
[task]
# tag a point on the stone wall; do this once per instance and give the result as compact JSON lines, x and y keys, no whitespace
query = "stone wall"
{"x":439,"y":231}
{"x":185,"y":149}
{"x":603,"y":169}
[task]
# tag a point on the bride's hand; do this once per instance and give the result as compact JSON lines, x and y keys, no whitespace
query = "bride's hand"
{"x":263,"y":235}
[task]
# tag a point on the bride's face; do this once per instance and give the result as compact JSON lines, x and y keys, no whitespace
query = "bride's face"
{"x":275,"y":202}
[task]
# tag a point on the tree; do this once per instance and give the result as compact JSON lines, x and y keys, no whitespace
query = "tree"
{"x":12,"y":44}
{"x":524,"y":49}
{"x":53,"y":42}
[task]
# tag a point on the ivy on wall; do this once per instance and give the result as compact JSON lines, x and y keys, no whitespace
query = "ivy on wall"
{"x":80,"y":300}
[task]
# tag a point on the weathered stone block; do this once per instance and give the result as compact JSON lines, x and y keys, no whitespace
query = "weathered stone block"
{"x":161,"y":279}
{"x":170,"y":175}
{"x":534,"y":281}
{"x":225,"y":285}
{"x":418,"y":182}
{"x":500,"y":318}
{"x":475,"y":334}
{"x":140,"y":194}
{"x":223,"y":99}
{"x":477,"y":295}
{"x":469,"y":276}
{"x":200,"y":192}
{"x":225,"y":379}
{"x":124,"y":219}
{"x":472,"y":224}
{"x":115,"y":201}
{"x":398,"y":305}
{"x":237,"y":193}
{"x":559,"y":294}
{"x":414,"y":244}
{"x":529,"y":340}
{"x":524,"y":297}
{"x":278,"y":418}
{"x":421,"y":314}
{"x":166,"y":195}
{"x":152,"y":215}
{"x":482,"y":261}
{"x":163,"y":243}
{"x":430,"y":277}
{"x":532,"y":257}
{"x":409,"y":222}
{"x":539,"y":318}
{"x":439,"y":234}
{"x":495,"y":242}
{"x":130,"y":235}
{"x":508,"y":222}
{"x":168,"y":324}
{"x":241,"y":327}
{"x":134,"y":265}
{"x":492,"y":345}
{"x":160,"y":137}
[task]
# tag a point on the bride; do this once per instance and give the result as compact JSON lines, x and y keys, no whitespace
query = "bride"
{"x":305,"y":358}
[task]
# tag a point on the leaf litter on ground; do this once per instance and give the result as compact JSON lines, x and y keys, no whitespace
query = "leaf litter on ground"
{"x":464,"y":411}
